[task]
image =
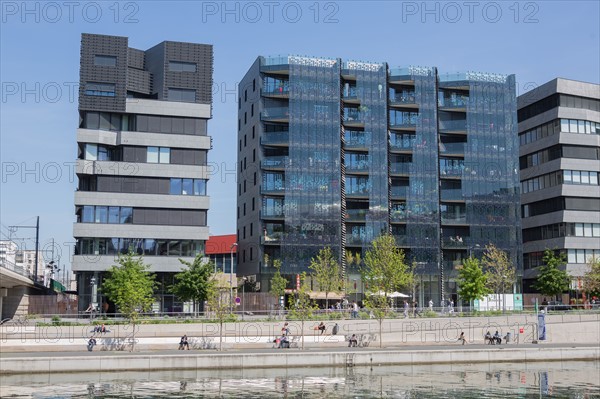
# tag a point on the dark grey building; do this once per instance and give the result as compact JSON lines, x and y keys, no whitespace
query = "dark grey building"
{"x":142,"y":156}
{"x":335,"y":153}
{"x":559,"y":133}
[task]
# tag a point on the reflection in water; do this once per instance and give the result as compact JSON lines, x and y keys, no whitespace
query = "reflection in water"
{"x":506,"y":380}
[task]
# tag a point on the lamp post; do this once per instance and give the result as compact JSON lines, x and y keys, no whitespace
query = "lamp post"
{"x":244,"y":279}
{"x":231,"y":277}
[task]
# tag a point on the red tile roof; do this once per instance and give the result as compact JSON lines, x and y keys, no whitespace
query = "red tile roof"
{"x":220,"y":244}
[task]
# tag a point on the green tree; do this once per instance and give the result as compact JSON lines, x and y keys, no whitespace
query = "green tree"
{"x":384,"y":272}
{"x":472,"y":282}
{"x":131,"y":287}
{"x":278,"y":282}
{"x":193,"y":282}
{"x":327,"y":272}
{"x":501,"y":274}
{"x":301,"y":306}
{"x":591,"y":278}
{"x":551,"y":280}
{"x":218,"y":291}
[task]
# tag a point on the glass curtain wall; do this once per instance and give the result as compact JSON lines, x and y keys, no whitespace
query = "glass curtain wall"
{"x":422,"y":198}
{"x":491,"y":170}
{"x":312,"y":196}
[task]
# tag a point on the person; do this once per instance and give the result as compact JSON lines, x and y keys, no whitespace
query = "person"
{"x":354,"y":310}
{"x":488,"y":338}
{"x":451,"y":306}
{"x":284,"y":342}
{"x":405,"y":309}
{"x":462,"y":337}
{"x":496,"y":338}
{"x":184,"y":343}
{"x":285,"y":330}
{"x":431,"y":305}
{"x":321,"y":327}
{"x":91,"y":344}
{"x":335,"y":330}
{"x":353,"y":341}
{"x":414,"y":309}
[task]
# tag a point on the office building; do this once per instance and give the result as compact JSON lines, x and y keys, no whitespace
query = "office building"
{"x":142,"y":155}
{"x":559,"y":134}
{"x":335,"y":153}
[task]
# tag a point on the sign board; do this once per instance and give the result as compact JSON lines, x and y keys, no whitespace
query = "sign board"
{"x":238,"y":300}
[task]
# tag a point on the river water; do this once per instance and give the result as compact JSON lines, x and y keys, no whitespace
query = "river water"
{"x":503,"y":380}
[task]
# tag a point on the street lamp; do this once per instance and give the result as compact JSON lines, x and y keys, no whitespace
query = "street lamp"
{"x":244,"y":279}
{"x":230,"y":278}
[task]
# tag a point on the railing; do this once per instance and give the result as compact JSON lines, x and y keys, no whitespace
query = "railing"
{"x":458,"y":125}
{"x":402,"y":143}
{"x":275,"y":162}
{"x":4,"y":263}
{"x":452,"y":148}
{"x":451,"y":194}
{"x":359,"y":166}
{"x":275,"y":113}
{"x":453,"y":102}
{"x":275,"y":138}
{"x":454,"y":220}
{"x":353,"y":139}
{"x":400,"y":168}
{"x":400,"y":191}
{"x":352,"y":116}
{"x":403,"y":98}
{"x":356,"y":215}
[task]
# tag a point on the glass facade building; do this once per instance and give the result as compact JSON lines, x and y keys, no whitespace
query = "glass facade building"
{"x":335,"y":153}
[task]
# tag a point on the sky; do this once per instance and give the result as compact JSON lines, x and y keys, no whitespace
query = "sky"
{"x":39,"y":73}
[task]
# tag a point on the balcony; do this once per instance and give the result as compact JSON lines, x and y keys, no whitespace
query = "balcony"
{"x":454,"y":220}
{"x":273,"y":189}
{"x":457,"y":242}
{"x":456,"y":126}
{"x":399,"y":191}
{"x":405,"y":99}
{"x":400,"y":168}
{"x":275,"y":138}
{"x":274,"y":162}
{"x":452,"y":171}
{"x":453,"y":102}
{"x":404,"y":120}
{"x":401,"y":76}
{"x":360,"y":167}
{"x":452,"y":148}
{"x":353,"y":117}
{"x":354,"y":140}
{"x":401,"y":240}
{"x":350,"y":95}
{"x":276,"y":114}
{"x":271,"y":238}
{"x":357,"y":240}
{"x":277,"y":65}
{"x":358,"y":192}
{"x":356,"y":215}
{"x":402,"y":143}
{"x":276,"y":92}
{"x":270,"y":213}
{"x":452,"y":195}
{"x":457,"y":81}
{"x":398,"y":216}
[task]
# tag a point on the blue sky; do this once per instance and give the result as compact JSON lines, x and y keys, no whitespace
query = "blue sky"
{"x":39,"y":68}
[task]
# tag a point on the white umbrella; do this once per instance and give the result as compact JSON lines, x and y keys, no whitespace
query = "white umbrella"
{"x":394,"y":294}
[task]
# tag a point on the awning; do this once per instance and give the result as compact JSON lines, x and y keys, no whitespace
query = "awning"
{"x":321,"y":295}
{"x":394,"y":294}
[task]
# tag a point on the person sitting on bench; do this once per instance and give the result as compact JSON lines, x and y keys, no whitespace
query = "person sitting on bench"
{"x":284,"y":342}
{"x":321,"y":327}
{"x":184,"y":343}
{"x":353,"y":341}
{"x":497,"y":339}
{"x":488,"y":338}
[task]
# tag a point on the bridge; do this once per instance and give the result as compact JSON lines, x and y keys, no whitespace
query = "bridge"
{"x":15,"y":284}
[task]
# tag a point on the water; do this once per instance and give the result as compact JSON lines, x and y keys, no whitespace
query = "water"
{"x":504,"y":380}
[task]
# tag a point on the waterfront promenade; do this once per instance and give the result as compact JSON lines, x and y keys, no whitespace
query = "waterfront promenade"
{"x":34,"y":348}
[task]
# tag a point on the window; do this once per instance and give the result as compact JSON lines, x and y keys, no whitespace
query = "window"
{"x":88,"y":214}
{"x":91,"y":152}
{"x":105,"y":60}
{"x":187,"y":186}
{"x":183,"y":95}
{"x":100,"y":89}
{"x":179,"y":66}
{"x":158,"y":155}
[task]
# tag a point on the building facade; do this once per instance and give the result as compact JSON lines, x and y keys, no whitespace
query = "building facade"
{"x":335,"y":153}
{"x":142,"y":159}
{"x":222,"y":251}
{"x":559,"y":133}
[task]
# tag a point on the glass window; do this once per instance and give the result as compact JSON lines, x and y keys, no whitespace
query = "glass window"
{"x":92,"y":120}
{"x":174,"y":248}
{"x":152,"y":156}
{"x":179,"y":66}
{"x":567,"y":175}
{"x":187,"y":187}
{"x":91,"y":152}
{"x":185,"y":95}
{"x":572,"y":126}
{"x":578,"y":229}
{"x":105,"y":60}
{"x":165,"y":155}
{"x":594,"y":178}
{"x":199,"y":187}
{"x":581,"y":128}
{"x":113,"y":214}
{"x":564,"y":125}
{"x":571,"y":256}
{"x":149,"y":247}
{"x":126,"y":215}
{"x":101,"y":214}
{"x":580,"y":256}
{"x":585,"y":177}
{"x":576,"y":176}
{"x":100,"y":89}
{"x":596,"y":230}
{"x":88,"y":214}
{"x":587,"y":229}
{"x":175,"y":187}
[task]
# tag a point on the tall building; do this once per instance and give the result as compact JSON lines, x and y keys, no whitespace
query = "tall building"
{"x":559,"y":133}
{"x":142,"y":156}
{"x":335,"y":153}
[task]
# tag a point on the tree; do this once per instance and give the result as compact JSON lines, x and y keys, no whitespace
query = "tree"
{"x":302,"y":307}
{"x":472,"y":282}
{"x":384,"y":272}
{"x":551,"y":280}
{"x":219,"y":301}
{"x":327,"y":272}
{"x":278,"y":282}
{"x":499,"y":270}
{"x":591,"y":278}
{"x":131,"y":287}
{"x":193,"y":282}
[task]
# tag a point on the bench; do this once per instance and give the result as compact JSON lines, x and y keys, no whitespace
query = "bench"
{"x":363,"y":340}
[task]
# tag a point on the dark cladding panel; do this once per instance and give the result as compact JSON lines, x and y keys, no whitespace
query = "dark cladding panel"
{"x":102,"y":76}
{"x":136,"y":58}
{"x":201,"y":55}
